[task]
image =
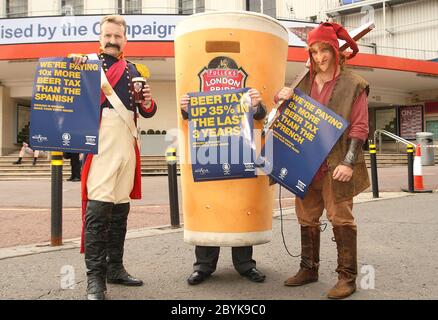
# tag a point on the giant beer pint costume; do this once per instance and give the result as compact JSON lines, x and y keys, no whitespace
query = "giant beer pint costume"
{"x":253,"y":48}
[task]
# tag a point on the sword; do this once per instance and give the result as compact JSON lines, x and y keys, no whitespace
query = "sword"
{"x":355,"y":34}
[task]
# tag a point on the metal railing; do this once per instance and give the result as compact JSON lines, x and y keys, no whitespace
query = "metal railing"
{"x":380,"y":132}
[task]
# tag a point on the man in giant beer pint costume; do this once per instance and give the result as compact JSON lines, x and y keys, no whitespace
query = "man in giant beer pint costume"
{"x":207,"y":256}
{"x":216,"y":51}
{"x":343,"y":174}
{"x":112,"y":178}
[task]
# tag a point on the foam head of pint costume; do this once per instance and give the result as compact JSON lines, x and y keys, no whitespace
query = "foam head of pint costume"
{"x":330,"y":33}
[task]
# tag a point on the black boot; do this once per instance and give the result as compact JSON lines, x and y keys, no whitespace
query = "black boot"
{"x":97,"y":220}
{"x":116,"y":271}
{"x":34,"y":161}
{"x":18,"y":161}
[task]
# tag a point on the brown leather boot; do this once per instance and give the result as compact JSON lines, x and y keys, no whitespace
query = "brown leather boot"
{"x":309,"y":257}
{"x":346,"y":242}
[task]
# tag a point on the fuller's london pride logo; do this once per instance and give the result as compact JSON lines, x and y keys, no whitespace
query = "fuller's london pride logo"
{"x":222,"y":73}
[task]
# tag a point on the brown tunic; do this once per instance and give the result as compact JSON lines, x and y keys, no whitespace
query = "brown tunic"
{"x":348,"y":87}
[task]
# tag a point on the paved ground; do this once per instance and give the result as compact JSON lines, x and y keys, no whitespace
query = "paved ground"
{"x":397,"y":257}
{"x":25,"y":205}
{"x":397,"y":248}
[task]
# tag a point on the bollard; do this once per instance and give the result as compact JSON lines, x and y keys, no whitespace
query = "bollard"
{"x":374,"y":179}
{"x":56,"y":213}
{"x":173,"y":187}
{"x":410,"y":151}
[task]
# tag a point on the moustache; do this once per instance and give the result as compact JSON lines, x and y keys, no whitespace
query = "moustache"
{"x":112,"y":45}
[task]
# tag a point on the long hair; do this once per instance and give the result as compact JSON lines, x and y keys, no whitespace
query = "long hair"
{"x":325,"y":45}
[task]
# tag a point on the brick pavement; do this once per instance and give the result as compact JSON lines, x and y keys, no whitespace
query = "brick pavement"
{"x":25,"y":213}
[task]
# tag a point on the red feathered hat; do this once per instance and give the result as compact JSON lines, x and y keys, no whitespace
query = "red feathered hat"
{"x":330,"y":33}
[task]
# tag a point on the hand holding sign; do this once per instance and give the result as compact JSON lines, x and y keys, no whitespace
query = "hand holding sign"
{"x":78,"y":59}
{"x":184,"y":103}
{"x":255,"y":97}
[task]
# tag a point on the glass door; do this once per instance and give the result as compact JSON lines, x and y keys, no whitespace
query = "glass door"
{"x":23,"y":121}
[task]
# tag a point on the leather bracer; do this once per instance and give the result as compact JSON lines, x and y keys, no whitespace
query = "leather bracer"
{"x":353,"y":150}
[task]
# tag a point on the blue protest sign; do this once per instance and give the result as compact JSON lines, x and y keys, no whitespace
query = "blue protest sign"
{"x":65,"y":112}
{"x":302,"y":137}
{"x":221,"y":135}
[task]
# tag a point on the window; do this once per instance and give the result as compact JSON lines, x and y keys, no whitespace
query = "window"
{"x":132,"y":6}
{"x":432,"y":126}
{"x":16,"y":8}
{"x":23,"y":120}
{"x":129,"y":6}
{"x":119,"y":6}
{"x":253,"y":5}
{"x":72,"y":7}
{"x":268,"y":8}
{"x":344,"y":2}
{"x":186,"y":6}
{"x":386,"y":119}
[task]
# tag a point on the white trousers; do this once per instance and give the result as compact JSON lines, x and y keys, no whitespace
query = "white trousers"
{"x":111,"y":176}
{"x":26,"y":149}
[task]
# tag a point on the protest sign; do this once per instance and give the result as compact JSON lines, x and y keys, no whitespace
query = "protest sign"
{"x":302,"y":137}
{"x":65,"y":111}
{"x":221,"y":141}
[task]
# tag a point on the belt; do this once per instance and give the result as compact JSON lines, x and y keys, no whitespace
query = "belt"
{"x":112,"y":111}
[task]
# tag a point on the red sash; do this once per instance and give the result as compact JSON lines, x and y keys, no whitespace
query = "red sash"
{"x":113,"y":75}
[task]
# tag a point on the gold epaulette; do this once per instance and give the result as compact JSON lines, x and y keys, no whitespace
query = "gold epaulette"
{"x":143,"y":70}
{"x":81,"y":54}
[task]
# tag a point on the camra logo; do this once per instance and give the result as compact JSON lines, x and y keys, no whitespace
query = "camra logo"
{"x":226,"y":168}
{"x":66,"y":137}
{"x":90,"y":140}
{"x":300,"y":185}
{"x":283,"y":173}
{"x":222,"y":73}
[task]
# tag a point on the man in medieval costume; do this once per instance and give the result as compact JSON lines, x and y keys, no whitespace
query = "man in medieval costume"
{"x":343,"y":174}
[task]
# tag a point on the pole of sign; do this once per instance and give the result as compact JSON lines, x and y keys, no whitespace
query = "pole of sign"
{"x":410,"y":151}
{"x":173,"y":187}
{"x":374,"y":178}
{"x":56,"y":213}
{"x":411,"y":185}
